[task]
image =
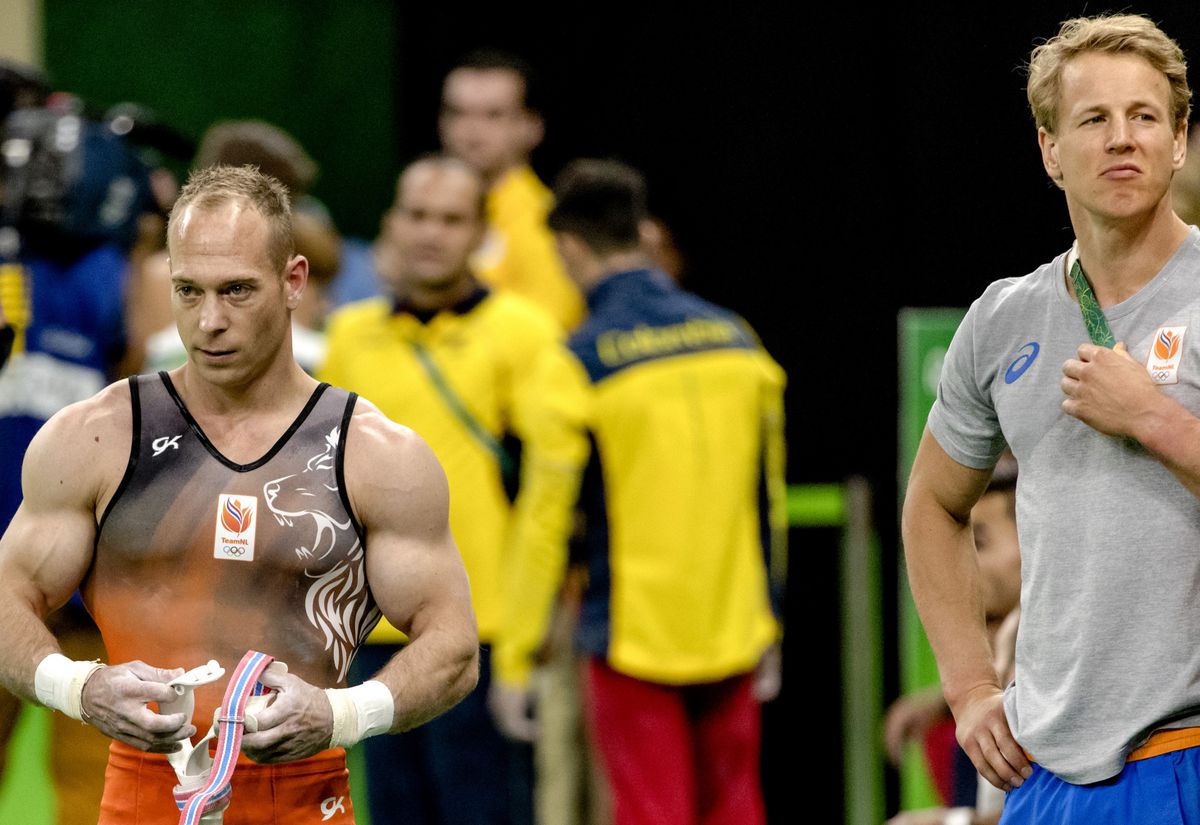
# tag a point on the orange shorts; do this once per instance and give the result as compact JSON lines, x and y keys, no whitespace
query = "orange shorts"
{"x":137,"y":791}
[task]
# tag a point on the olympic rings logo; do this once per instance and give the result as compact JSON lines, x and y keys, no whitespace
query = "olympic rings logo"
{"x":232,"y":550}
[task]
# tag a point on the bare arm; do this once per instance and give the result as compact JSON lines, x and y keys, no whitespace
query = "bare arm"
{"x":72,"y":465}
{"x":1113,"y":394}
{"x":944,"y":574}
{"x":45,"y":552}
{"x":414,"y":569}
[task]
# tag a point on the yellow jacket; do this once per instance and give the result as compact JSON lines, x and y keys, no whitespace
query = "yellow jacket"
{"x":518,"y":253}
{"x":482,"y":349}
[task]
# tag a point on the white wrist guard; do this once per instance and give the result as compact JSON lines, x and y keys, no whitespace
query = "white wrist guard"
{"x":58,"y":683}
{"x":358,"y":712}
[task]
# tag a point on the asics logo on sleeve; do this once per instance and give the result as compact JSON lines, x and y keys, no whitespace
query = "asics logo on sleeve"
{"x":1024,"y":360}
{"x":161,"y":444}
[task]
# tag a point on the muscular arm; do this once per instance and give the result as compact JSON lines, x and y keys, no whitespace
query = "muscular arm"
{"x":944,"y":574}
{"x":46,"y":550}
{"x":72,"y":465}
{"x":1113,"y":394}
{"x":414,"y":569}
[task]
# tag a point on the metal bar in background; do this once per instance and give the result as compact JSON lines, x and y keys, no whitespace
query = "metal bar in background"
{"x":862,"y":660}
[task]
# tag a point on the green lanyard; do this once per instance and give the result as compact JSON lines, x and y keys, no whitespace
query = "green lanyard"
{"x":508,"y":467}
{"x":1093,"y":316}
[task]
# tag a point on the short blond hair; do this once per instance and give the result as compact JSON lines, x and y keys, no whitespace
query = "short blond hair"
{"x":1111,"y":34}
{"x":217,"y":185}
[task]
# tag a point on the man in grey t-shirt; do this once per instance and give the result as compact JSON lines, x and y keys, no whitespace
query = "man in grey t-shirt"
{"x":1108,"y":659}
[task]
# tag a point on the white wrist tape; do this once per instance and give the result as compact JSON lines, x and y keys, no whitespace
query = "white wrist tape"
{"x":358,"y":712}
{"x":58,"y":683}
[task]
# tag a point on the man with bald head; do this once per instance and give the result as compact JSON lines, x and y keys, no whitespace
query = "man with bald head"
{"x":450,"y":358}
{"x":221,"y":507}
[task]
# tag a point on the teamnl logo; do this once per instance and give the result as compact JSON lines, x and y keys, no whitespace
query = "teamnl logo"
{"x":235,"y":527}
{"x":1165,"y":354}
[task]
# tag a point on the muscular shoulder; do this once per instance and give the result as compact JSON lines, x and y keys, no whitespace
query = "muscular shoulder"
{"x":391,"y":474}
{"x":82,"y":451}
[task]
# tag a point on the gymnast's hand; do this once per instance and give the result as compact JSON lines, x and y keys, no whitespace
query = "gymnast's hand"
{"x":115,"y":699}
{"x":297,"y":723}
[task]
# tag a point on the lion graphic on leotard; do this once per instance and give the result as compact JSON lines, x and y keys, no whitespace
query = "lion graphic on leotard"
{"x":338,"y":602}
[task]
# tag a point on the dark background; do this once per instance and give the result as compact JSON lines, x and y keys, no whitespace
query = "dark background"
{"x":821,"y":169}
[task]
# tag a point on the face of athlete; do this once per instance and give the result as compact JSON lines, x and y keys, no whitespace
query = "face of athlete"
{"x":434,"y":228}
{"x":484,"y":120}
{"x":995,"y":528}
{"x":1116,"y":146}
{"x":231,"y":304}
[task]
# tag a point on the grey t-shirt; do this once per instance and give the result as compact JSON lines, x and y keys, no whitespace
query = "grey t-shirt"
{"x":1109,"y":645}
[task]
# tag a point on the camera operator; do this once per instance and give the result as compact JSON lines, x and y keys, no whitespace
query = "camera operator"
{"x":72,"y":194}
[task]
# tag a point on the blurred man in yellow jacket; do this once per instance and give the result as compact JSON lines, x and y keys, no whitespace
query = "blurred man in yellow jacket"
{"x":449,"y":358}
{"x":487,"y":121}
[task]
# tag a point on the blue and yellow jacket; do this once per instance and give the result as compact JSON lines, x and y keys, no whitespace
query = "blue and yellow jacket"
{"x":663,"y":421}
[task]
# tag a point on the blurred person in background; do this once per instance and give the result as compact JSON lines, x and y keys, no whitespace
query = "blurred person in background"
{"x":74,"y":194}
{"x":450,"y":358}
{"x":153,"y":335}
{"x":489,"y":119}
{"x":1185,"y":186}
{"x":663,"y":420}
{"x":924,"y":716}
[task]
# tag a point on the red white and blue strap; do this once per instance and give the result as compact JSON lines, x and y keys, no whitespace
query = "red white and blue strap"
{"x":230,"y":722}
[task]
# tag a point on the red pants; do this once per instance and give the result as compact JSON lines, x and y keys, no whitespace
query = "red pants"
{"x":677,"y":755}
{"x":137,"y":791}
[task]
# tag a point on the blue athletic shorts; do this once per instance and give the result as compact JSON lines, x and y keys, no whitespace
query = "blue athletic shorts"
{"x":1162,"y":790}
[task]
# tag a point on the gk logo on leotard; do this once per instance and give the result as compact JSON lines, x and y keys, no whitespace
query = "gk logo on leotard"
{"x":331,"y":806}
{"x":1022,"y":362}
{"x":163,"y":442}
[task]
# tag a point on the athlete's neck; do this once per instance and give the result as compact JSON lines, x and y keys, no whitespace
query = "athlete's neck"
{"x":282,"y":386}
{"x":1122,"y":256}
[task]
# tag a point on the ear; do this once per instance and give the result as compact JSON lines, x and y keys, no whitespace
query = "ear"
{"x":1049,"y":146}
{"x":534,"y":131}
{"x":480,"y":234}
{"x":568,"y":244}
{"x":1179,"y":147}
{"x":295,"y":279}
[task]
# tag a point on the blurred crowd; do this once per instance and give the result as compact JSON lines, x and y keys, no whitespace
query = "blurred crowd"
{"x":630,"y":613}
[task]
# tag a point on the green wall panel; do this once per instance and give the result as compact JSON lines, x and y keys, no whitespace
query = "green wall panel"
{"x":322,"y":71}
